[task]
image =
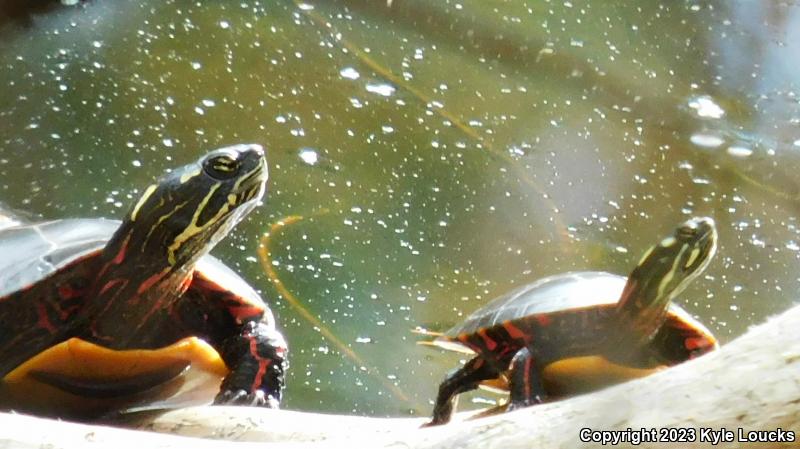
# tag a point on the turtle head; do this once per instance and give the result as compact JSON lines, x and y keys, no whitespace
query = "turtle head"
{"x":662,"y":273}
{"x":149,"y":261}
{"x":186,"y":212}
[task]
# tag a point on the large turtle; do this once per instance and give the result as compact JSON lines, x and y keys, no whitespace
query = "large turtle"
{"x":98,"y":315}
{"x":576,"y":326}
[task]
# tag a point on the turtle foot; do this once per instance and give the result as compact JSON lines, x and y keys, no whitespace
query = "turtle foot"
{"x":247,"y":398}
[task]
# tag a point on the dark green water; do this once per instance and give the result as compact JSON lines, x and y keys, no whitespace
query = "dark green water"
{"x":441,"y":152}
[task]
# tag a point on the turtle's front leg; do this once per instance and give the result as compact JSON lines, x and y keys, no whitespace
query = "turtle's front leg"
{"x":242,"y":330}
{"x":256,"y":358}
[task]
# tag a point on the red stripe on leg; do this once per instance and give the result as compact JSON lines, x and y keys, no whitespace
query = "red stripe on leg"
{"x":527,"y":381}
{"x":263,"y":364}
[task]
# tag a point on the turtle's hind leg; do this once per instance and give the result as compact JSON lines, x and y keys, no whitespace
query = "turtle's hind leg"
{"x":463,"y":379}
{"x":526,"y":380}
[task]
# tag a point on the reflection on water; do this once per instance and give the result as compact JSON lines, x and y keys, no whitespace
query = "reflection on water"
{"x":440,"y":152}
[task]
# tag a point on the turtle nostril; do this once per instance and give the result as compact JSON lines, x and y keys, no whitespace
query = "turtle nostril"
{"x":258,"y":149}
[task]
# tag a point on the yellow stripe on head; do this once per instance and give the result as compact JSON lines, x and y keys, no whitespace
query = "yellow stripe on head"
{"x":646,"y":255}
{"x":190,"y":174}
{"x":692,"y":257}
{"x":149,"y":191}
{"x":665,"y":282}
{"x":193,"y":229}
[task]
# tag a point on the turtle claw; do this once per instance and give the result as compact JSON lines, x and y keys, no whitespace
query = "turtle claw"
{"x":247,"y":398}
{"x":520,"y":404}
{"x":515,"y":406}
{"x":430,"y":423}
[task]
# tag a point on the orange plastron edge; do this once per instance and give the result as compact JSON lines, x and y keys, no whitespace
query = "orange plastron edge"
{"x":78,"y":379}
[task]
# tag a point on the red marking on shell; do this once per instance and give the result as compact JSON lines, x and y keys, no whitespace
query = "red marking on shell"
{"x":64,"y":312}
{"x":65,"y":292}
{"x":514,"y":332}
{"x":487,"y":340}
{"x":151,"y":280}
{"x":693,"y":343}
{"x":263,"y":364}
{"x":466,"y":340}
{"x":44,"y":320}
{"x":543,"y":320}
{"x":245,"y":311}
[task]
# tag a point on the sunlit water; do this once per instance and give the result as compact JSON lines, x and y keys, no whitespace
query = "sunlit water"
{"x":440,"y":153}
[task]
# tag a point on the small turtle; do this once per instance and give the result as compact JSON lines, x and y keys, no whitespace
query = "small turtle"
{"x":97,"y":315}
{"x":585,"y":317}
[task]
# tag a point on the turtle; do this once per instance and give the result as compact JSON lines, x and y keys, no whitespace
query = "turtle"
{"x":98,"y":315}
{"x":575,"y":326}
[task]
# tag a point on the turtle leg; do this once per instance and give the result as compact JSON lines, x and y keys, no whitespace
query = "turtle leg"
{"x":459,"y":381}
{"x":682,"y":338}
{"x":256,"y":358}
{"x":244,"y":335}
{"x":526,"y":380}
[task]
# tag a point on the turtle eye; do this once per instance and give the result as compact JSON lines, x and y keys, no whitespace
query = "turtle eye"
{"x":222,"y":167}
{"x":686,"y":232}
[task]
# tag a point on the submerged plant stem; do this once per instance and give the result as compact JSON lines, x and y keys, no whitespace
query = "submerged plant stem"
{"x":265,"y":257}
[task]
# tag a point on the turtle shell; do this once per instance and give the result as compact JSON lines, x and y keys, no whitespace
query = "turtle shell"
{"x":8,"y":217}
{"x":79,"y":379}
{"x":33,"y":252}
{"x":559,"y":293}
